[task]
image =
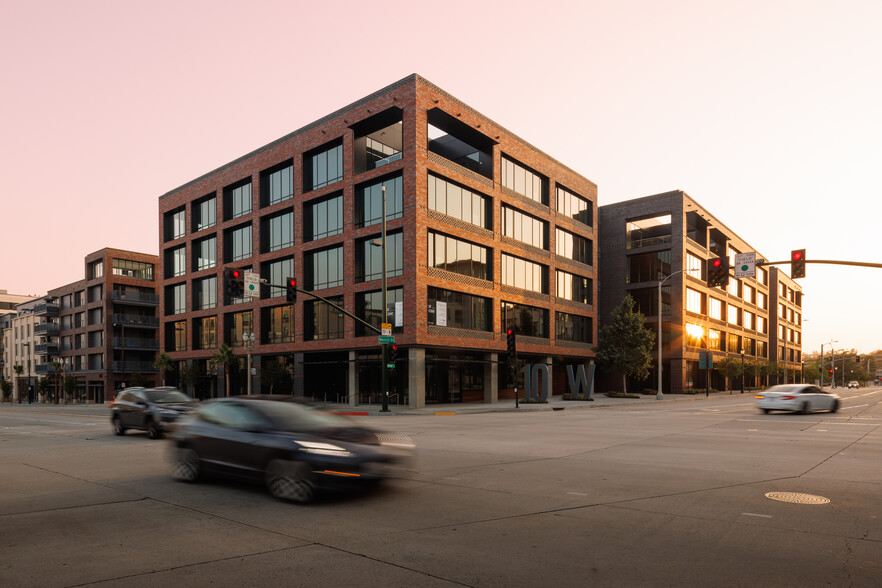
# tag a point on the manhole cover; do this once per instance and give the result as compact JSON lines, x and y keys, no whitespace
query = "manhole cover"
{"x":797,"y":497}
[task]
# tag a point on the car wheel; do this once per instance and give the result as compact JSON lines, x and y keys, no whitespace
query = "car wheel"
{"x":290,"y":480}
{"x":153,"y":430}
{"x":804,"y":409}
{"x":835,"y":407}
{"x":184,"y":464}
{"x":765,"y":410}
{"x":118,"y":428}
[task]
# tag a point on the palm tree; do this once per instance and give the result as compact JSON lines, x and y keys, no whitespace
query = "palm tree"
{"x":163,"y":362}
{"x":226,"y":358}
{"x":18,"y":369}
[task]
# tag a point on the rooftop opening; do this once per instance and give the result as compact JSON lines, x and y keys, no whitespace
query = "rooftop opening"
{"x":453,"y":139}
{"x":378,"y":140}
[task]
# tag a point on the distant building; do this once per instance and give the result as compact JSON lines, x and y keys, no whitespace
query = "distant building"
{"x":484,"y":232}
{"x":669,"y":237}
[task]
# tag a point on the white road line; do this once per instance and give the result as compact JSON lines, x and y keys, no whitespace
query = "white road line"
{"x":577,"y":493}
{"x":750,"y":514}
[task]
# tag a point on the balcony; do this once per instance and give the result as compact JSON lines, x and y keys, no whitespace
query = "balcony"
{"x":131,"y":367}
{"x":44,"y":369}
{"x":46,"y":349}
{"x":46,"y":309}
{"x":135,"y":298}
{"x":135,"y":343}
{"x":135,"y":320}
{"x":46,"y":329}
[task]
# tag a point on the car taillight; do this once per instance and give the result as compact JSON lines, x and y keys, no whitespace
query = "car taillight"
{"x":788,"y":397}
{"x":759,"y":396}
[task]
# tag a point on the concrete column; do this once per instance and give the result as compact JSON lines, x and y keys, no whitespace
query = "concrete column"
{"x":549,"y":361}
{"x":255,"y":380}
{"x":491,"y":378}
{"x":352,"y":380}
{"x":416,"y":377}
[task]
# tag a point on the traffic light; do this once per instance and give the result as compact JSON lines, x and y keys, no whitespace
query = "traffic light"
{"x":797,"y":263}
{"x":234,"y":282}
{"x":512,"y":346}
{"x":718,"y":272}
{"x":291,"y":290}
{"x":393,"y":354}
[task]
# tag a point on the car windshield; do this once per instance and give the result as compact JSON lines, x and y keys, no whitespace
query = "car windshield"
{"x":788,"y":388}
{"x":290,"y":416}
{"x":166,"y":396}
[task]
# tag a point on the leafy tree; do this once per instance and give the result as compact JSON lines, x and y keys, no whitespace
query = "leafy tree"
{"x":625,"y":344}
{"x":273,"y":372}
{"x":811,"y":372}
{"x":187,"y":374}
{"x":226,"y":358}
{"x":70,"y":386}
{"x":6,"y":387}
{"x":163,"y":362}
{"x":43,"y":388}
{"x":730,"y":367}
{"x":19,"y":370}
{"x":56,"y":367}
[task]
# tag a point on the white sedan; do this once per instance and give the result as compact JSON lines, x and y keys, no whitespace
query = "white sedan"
{"x":801,"y":398}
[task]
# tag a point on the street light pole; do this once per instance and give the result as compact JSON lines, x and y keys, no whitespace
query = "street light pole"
{"x":830,"y":343}
{"x":383,"y":377}
{"x":659,"y":394}
{"x":248,"y":340}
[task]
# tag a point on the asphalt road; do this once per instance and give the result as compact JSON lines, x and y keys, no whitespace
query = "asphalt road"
{"x":665,"y":493}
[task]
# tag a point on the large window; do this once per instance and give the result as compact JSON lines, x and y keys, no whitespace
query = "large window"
{"x":649,"y":267}
{"x":323,"y":218}
{"x":715,"y":340}
{"x":277,"y":272}
{"x":574,"y":327}
{"x":138,"y":270}
{"x":176,"y":336}
{"x":238,"y":324}
{"x":573,"y":247}
{"x":205,"y":253}
{"x":649,"y":231}
{"x":237,"y":243}
{"x":206,"y":332}
{"x":693,"y":266}
{"x":574,"y":206}
{"x":277,"y":184}
{"x":520,"y":273}
{"x":323,"y":321}
{"x":528,"y":321}
{"x":369,"y":307}
{"x":523,"y":180}
{"x":278,"y":324}
{"x":524,"y":228}
{"x":715,"y":308}
{"x":693,"y":300}
{"x":369,"y":257}
{"x":369,"y":201}
{"x":176,"y":262}
{"x":323,"y":166}
{"x":459,"y":202}
{"x":575,"y":288}
{"x":205,"y":293}
{"x":277,"y":231}
{"x":237,"y":200}
{"x":176,"y":299}
{"x":458,"y":256}
{"x":175,"y":224}
{"x":694,"y":334}
{"x":324,"y":268}
{"x":456,"y":309}
{"x":205,"y":213}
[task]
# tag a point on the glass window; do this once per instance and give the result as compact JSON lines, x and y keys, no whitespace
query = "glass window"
{"x":369,"y":262}
{"x":176,"y":262}
{"x":520,"y":273}
{"x":523,"y":180}
{"x":237,"y":201}
{"x":323,"y":167}
{"x":237,"y":243}
{"x":459,"y":310}
{"x":693,"y":266}
{"x":278,"y":231}
{"x":279,"y":324}
{"x":369,"y":308}
{"x":649,"y":231}
{"x":715,"y":308}
{"x":206,"y":332}
{"x":175,"y":224}
{"x":649,"y":267}
{"x":574,"y":206}
{"x":369,"y":201}
{"x":573,"y":247}
{"x":205,"y":253}
{"x":458,"y":256}
{"x":324,"y":268}
{"x":238,"y":324}
{"x":734,"y":315}
{"x":459,"y":202}
{"x":715,"y":340}
{"x":528,"y":321}
{"x":693,"y":300}
{"x":323,"y":218}
{"x":205,"y":293}
{"x":323,"y":321}
{"x":574,"y":327}
{"x":138,"y":270}
{"x":575,"y":288}
{"x":524,"y":228}
{"x":176,"y":299}
{"x":278,"y":185}
{"x":205,"y":213}
{"x":96,"y":270}
{"x":176,"y":336}
{"x":278,"y":272}
{"x":694,"y":334}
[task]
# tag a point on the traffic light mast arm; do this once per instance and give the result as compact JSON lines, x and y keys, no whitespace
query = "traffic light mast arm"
{"x":326,"y":301}
{"x":760,"y":262}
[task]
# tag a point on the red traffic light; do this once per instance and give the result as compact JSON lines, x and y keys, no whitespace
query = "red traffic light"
{"x":292,"y":282}
{"x":796,"y":255}
{"x":717,"y":262}
{"x":236,"y":273}
{"x":508,"y":332}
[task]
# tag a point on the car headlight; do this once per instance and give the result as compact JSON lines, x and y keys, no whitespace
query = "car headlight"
{"x":318,"y":448}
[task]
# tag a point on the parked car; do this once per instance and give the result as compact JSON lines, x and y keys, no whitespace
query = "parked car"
{"x":853,"y":384}
{"x":802,"y":398}
{"x":150,"y":409}
{"x":293,"y":447}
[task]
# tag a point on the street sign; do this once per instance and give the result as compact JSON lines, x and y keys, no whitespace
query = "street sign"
{"x":705,"y":360}
{"x":745,"y":265}
{"x":252,"y":284}
{"x":387,"y":339}
{"x":385,"y":329}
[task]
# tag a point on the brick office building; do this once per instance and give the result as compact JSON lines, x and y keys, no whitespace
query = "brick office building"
{"x":671,"y":237}
{"x":484,"y":232}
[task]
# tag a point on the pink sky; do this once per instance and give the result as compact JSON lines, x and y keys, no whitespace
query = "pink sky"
{"x":760,"y":110}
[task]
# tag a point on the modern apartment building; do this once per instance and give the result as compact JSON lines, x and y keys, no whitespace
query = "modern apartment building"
{"x":669,"y":238}
{"x":102,"y":330}
{"x":484,"y":232}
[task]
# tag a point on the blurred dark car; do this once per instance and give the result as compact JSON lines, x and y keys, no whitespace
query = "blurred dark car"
{"x":293,"y":447}
{"x":149,"y":409}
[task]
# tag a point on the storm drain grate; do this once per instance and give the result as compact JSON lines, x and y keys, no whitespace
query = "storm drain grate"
{"x":797,"y":497}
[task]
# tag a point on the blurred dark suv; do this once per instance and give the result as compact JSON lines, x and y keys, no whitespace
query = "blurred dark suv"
{"x":148,"y":409}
